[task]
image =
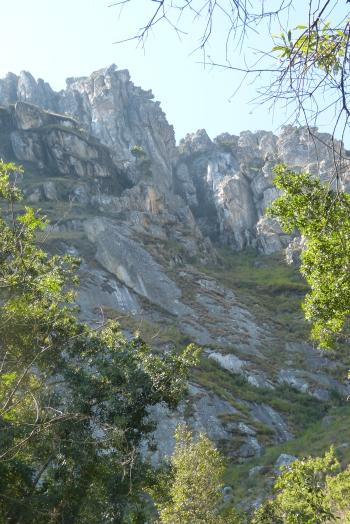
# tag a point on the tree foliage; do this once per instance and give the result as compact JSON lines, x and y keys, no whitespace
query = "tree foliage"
{"x":195,"y":492}
{"x":322,"y":47}
{"x":142,"y":161}
{"x":309,"y":491}
{"x":322,"y":216}
{"x":301,"y":490}
{"x":73,"y":400}
{"x":338,"y":494}
{"x":312,"y":71}
{"x":305,"y":69}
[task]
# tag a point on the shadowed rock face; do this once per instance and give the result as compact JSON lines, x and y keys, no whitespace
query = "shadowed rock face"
{"x":146,"y":236}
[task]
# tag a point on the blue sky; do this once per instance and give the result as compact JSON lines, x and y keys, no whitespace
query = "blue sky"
{"x":57,"y":39}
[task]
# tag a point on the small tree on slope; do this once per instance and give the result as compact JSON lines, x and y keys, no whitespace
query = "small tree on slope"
{"x":195,"y":493}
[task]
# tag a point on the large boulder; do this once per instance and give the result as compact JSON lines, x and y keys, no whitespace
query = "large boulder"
{"x":133,"y":265}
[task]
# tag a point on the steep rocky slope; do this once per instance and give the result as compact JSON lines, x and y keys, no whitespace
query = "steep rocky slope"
{"x":163,"y":234}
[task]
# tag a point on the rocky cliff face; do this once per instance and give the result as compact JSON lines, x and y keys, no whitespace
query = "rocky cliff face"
{"x":162,"y":235}
{"x":109,"y":106}
{"x":228,"y":182}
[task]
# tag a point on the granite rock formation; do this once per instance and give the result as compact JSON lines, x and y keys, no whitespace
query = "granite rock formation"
{"x":149,"y":229}
{"x":226,"y":182}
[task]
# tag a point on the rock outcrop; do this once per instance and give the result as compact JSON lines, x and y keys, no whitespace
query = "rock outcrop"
{"x":133,"y":265}
{"x":228,"y":182}
{"x":109,"y":106}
